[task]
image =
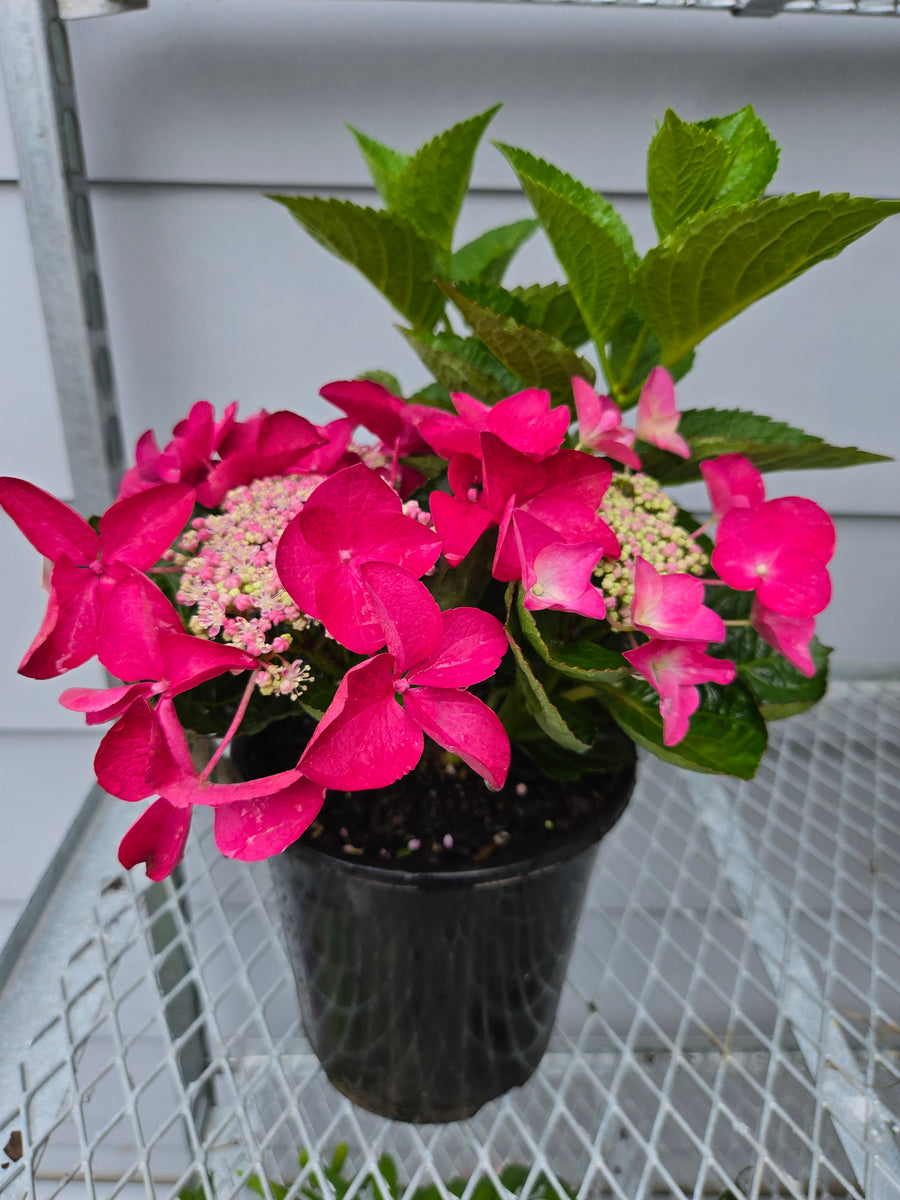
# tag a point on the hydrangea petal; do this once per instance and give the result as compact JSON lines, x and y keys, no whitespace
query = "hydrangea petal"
{"x":472,"y":644}
{"x":671,"y":606}
{"x":409,"y":616}
{"x":465,"y":726}
{"x":135,"y":615}
{"x":157,"y":838}
{"x":732,"y":482}
{"x":790,"y":636}
{"x":52,"y":527}
{"x":256,"y":829}
{"x":70,"y":628}
{"x":365,"y":739}
{"x":140,"y":528}
{"x":122,"y":761}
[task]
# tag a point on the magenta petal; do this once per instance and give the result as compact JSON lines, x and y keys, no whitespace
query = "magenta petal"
{"x":52,"y":527}
{"x":471,"y":647}
{"x":671,"y":606}
{"x":374,"y":407}
{"x":135,"y":616}
{"x":68,"y":634}
{"x":465,"y":726}
{"x":140,"y":528}
{"x":800,"y":586}
{"x":409,"y":617}
{"x":527,"y":422}
{"x":188,"y":661}
{"x":100,"y":705}
{"x":790,"y":636}
{"x":365,"y":739}
{"x":257,"y":829}
{"x":674,"y":669}
{"x":560,"y":578}
{"x":458,"y":523}
{"x":157,"y":838}
{"x":732,"y":482}
{"x":122,"y":760}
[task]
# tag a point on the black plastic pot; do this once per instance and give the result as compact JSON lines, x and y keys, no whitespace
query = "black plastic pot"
{"x":426,"y":994}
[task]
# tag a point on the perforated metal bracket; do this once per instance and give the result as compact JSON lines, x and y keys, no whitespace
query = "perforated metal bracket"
{"x":44,"y":112}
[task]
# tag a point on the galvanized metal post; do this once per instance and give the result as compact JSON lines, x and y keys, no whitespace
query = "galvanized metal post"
{"x":40,"y":88}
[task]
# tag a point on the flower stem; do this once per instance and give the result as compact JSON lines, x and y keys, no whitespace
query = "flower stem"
{"x":233,"y":727}
{"x":633,"y":358}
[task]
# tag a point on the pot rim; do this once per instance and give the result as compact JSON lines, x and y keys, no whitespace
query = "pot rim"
{"x":453,"y":876}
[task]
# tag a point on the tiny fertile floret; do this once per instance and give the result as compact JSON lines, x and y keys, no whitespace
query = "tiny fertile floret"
{"x":230,"y":579}
{"x":645,"y":521}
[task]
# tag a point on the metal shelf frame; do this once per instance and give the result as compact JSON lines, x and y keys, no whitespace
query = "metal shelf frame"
{"x":729,"y":1027}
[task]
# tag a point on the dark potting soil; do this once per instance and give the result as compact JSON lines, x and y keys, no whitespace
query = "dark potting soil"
{"x":442,"y":814}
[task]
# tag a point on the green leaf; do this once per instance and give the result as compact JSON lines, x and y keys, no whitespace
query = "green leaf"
{"x":387,"y":1168}
{"x":686,"y":168}
{"x":580,"y":660}
{"x":385,"y":165}
{"x":588,"y":236}
{"x":383,"y":246}
{"x":781,"y":690}
{"x":430,"y":190}
{"x":536,"y":358}
{"x":463,"y":364}
{"x":727,"y":734}
{"x":754,"y":155}
{"x":719,"y":263}
{"x":385,"y":378}
{"x":485,"y":259}
{"x":538,"y":703}
{"x":771,"y":445}
{"x":552,"y":308}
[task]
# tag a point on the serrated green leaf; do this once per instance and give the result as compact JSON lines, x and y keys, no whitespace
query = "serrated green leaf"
{"x":780,"y":689}
{"x":385,"y":165}
{"x":754,"y":155}
{"x":588,"y":236}
{"x":533,"y":356}
{"x":385,"y":378}
{"x":552,"y":308}
{"x":719,"y":263}
{"x":771,"y":445}
{"x":727,"y":734}
{"x":485,"y":259}
{"x":538,"y":703}
{"x":430,"y":190}
{"x":581,"y":660}
{"x":463,"y":365}
{"x":383,"y":246}
{"x":686,"y":168}
{"x":494,"y":297}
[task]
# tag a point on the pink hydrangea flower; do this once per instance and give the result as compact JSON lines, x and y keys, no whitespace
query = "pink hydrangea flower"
{"x":388,"y":416}
{"x":732,"y":482}
{"x":351,"y":519}
{"x":147,"y":753}
{"x":132,"y":535}
{"x":556,"y":574}
{"x":671,"y":606}
{"x":372,"y":732}
{"x":187,"y":458}
{"x":524,"y":421}
{"x":673,"y":669}
{"x":657,"y":416}
{"x":780,"y":549}
{"x":600,"y":425}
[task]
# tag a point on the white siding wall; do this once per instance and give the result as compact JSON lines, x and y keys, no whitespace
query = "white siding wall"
{"x":192,"y":108}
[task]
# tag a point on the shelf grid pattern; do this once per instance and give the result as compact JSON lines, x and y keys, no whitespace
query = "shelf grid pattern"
{"x":730,"y":1025}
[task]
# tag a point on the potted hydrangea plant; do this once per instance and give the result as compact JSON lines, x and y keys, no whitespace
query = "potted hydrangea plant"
{"x":422,"y":659}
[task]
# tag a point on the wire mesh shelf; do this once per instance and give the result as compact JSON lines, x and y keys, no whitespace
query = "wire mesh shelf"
{"x":731,"y":1021}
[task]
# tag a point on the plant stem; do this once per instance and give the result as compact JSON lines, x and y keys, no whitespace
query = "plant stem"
{"x":233,"y":727}
{"x":619,"y":387}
